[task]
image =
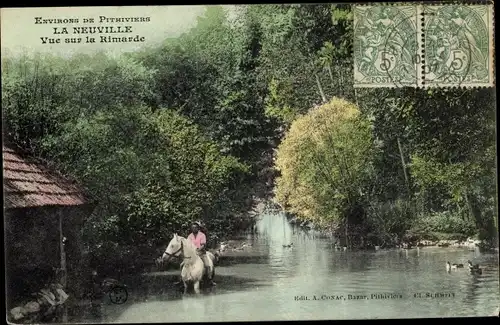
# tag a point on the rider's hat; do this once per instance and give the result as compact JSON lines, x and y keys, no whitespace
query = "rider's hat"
{"x":198,"y":223}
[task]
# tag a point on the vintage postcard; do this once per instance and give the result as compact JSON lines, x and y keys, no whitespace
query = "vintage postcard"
{"x":249,"y":162}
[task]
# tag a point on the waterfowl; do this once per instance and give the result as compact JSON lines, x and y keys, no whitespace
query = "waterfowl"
{"x":453,"y":266}
{"x":246,"y":245}
{"x":288,"y":246}
{"x":406,"y":246}
{"x":474,"y":268}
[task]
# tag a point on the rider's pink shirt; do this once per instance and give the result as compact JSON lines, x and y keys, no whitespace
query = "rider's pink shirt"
{"x":199,"y":240}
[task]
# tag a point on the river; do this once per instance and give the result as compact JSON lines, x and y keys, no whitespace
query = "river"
{"x":271,"y":282}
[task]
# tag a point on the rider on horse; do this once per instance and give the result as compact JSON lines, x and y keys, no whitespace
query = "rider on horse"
{"x":199,"y":239}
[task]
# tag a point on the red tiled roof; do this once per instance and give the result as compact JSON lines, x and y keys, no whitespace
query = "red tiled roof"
{"x":28,"y":183}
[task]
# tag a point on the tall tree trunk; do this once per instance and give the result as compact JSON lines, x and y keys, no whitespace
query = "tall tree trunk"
{"x":404,"y":167}
{"x":323,"y":97}
{"x":469,"y":204}
{"x":474,"y":212}
{"x":347,"y":231}
{"x":329,"y":68}
{"x":459,"y":208}
{"x":341,"y":80}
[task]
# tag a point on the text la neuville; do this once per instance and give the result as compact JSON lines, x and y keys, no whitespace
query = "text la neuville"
{"x":94,"y":30}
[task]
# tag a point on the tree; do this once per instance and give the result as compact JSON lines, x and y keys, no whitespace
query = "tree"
{"x":324,"y":160}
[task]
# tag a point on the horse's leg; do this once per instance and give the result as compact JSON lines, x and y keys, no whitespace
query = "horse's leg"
{"x":185,"y":287}
{"x":196,"y":286}
{"x":208,"y":270}
{"x":207,"y":274}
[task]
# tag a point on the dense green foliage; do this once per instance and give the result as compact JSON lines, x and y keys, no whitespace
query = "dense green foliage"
{"x":324,"y":161}
{"x":187,"y":129}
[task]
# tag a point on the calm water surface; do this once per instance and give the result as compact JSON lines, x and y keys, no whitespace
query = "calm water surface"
{"x":264,"y":283}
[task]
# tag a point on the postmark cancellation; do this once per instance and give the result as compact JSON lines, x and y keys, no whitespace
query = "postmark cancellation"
{"x":423,"y":45}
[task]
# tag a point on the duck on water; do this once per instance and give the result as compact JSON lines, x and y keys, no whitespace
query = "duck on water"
{"x":338,"y":247}
{"x":453,"y":266}
{"x":233,"y":245}
{"x":474,"y":268}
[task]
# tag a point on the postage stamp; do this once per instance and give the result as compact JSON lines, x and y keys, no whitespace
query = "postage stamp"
{"x":458,"y":46}
{"x":423,"y":46}
{"x":386,"y":46}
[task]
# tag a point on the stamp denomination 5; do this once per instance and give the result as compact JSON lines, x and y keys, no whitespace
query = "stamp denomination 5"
{"x":385,"y":43}
{"x":423,"y":45}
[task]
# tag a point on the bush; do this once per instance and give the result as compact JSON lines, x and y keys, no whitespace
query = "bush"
{"x":387,"y":220}
{"x":324,"y":161}
{"x":446,"y":222}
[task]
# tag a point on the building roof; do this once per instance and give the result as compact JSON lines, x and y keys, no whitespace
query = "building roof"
{"x":29,"y":183}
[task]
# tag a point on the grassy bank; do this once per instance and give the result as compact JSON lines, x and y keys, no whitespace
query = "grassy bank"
{"x":402,"y":223}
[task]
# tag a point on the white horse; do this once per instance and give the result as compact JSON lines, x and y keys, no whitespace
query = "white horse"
{"x":192,"y":266}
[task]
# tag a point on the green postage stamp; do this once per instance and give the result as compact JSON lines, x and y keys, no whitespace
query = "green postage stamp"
{"x":417,"y":45}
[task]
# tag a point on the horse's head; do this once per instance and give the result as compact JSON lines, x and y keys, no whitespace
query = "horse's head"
{"x":174,"y":248}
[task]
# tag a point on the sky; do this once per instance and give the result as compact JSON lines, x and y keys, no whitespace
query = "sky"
{"x":20,"y":31}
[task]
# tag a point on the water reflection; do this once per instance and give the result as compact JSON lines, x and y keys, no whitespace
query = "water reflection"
{"x":262,"y":283}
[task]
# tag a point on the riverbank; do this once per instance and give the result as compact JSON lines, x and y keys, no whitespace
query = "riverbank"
{"x":359,"y":237}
